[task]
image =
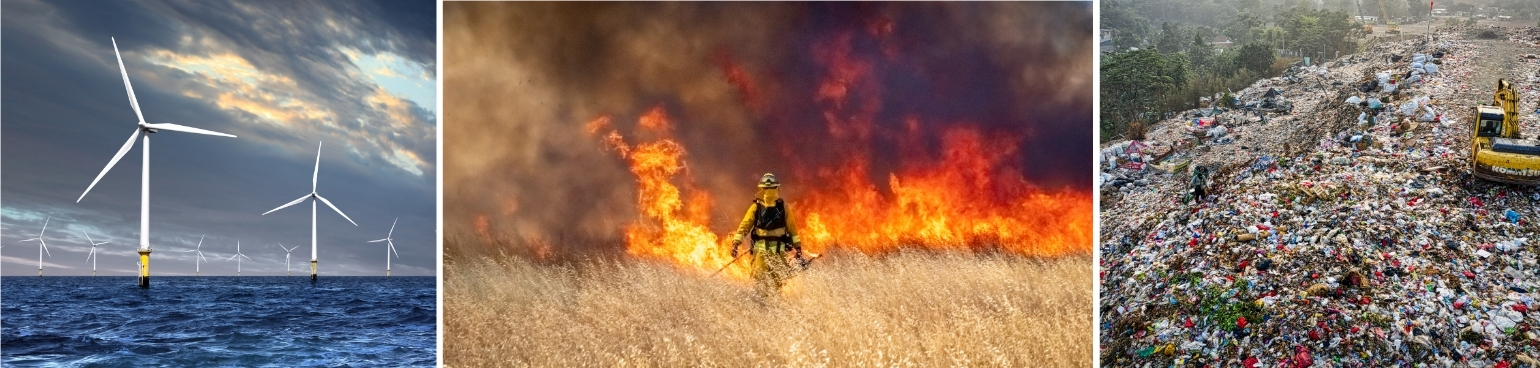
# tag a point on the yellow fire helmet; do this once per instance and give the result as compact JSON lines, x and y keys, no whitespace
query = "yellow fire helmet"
{"x":768,"y":181}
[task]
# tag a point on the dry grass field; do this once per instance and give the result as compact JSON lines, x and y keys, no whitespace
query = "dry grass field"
{"x":909,"y":308}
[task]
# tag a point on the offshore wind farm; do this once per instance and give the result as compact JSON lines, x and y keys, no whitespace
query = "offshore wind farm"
{"x":207,"y":280}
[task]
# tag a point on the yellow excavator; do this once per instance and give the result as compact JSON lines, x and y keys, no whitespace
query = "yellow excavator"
{"x":1391,"y":27}
{"x":1498,"y":151}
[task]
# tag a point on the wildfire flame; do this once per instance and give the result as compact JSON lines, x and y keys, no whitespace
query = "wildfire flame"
{"x":967,"y":198}
{"x":968,"y":194}
{"x":671,"y":228}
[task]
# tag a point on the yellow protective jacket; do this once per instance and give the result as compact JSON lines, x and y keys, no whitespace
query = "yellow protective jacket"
{"x":769,"y":222}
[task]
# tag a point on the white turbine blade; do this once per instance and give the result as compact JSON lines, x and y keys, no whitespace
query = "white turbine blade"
{"x":129,"y":86}
{"x":27,"y":240}
{"x":392,"y":228}
{"x":334,"y":208}
{"x":392,"y":246}
{"x":88,"y":239}
{"x":45,"y":227}
{"x":297,"y":201}
{"x":244,"y":256}
{"x":115,"y":158}
{"x":376,"y":241}
{"x":200,"y":241}
{"x":200,"y":256}
{"x":88,"y":255}
{"x":45,"y":247}
{"x":232,"y":257}
{"x":185,"y":129}
{"x":317,"y":173}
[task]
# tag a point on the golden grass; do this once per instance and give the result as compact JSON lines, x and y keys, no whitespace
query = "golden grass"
{"x":907,"y":308}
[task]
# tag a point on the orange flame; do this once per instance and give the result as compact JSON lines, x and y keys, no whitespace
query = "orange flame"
{"x":969,"y":194}
{"x":969,"y":197}
{"x":669,"y":228}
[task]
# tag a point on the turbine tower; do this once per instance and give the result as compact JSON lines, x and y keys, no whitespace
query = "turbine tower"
{"x":198,"y":268}
{"x":389,"y":245}
{"x":238,"y":254}
{"x":92,"y":257}
{"x":42,"y":246}
{"x":286,"y":253}
{"x":144,"y":179}
{"x":313,"y":197}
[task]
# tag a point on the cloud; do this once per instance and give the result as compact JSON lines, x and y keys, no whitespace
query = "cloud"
{"x":277,"y":74}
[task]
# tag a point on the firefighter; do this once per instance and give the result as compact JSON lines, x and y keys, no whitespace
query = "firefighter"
{"x":768,"y":225}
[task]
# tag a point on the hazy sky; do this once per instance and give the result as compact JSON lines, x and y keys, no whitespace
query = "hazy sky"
{"x":282,"y":76}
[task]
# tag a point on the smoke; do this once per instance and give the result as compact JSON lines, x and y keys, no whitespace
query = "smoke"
{"x":792,"y":88}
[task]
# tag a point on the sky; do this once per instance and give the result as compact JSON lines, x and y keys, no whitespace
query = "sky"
{"x":789,"y":88}
{"x":355,"y":77}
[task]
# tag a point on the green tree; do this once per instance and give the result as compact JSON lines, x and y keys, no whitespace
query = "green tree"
{"x":1129,"y":27}
{"x":1256,"y":57}
{"x":1170,"y":40}
{"x":1239,"y":28}
{"x":1318,"y":33}
{"x":1131,"y":84}
{"x":1200,"y":53}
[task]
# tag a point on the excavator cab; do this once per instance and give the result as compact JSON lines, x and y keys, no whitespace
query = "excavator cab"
{"x":1489,"y":122}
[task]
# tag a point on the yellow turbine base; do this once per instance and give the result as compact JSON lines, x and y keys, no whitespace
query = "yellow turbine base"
{"x":144,"y":268}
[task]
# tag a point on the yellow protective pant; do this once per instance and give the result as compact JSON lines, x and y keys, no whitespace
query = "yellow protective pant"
{"x":769,"y":267}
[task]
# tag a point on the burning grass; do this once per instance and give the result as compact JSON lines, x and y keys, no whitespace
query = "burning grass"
{"x":924,"y":308}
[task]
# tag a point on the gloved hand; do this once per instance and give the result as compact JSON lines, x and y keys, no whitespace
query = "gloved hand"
{"x":735,"y":251}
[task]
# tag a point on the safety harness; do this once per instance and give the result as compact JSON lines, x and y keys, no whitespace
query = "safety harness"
{"x":770,"y":223}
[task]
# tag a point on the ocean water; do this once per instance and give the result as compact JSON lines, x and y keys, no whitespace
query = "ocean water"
{"x":217,"y":321}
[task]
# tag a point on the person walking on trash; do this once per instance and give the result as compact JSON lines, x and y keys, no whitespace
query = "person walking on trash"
{"x":768,"y":225}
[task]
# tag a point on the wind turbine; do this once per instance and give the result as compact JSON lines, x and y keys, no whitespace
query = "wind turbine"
{"x":389,"y":245}
{"x":92,"y":257}
{"x":198,"y":268}
{"x":286,"y":253}
{"x":144,"y":186}
{"x":41,"y":245}
{"x":313,"y":196}
{"x":238,"y":254}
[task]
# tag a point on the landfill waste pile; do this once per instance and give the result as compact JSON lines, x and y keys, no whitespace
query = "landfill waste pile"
{"x":1345,"y":230}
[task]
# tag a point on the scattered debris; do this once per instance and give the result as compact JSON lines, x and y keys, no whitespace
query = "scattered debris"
{"x":1345,"y":230}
